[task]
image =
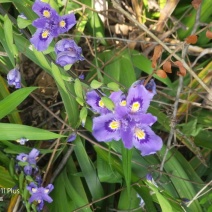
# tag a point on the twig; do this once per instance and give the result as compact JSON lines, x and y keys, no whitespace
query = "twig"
{"x":173,"y":123}
{"x":62,"y":164}
{"x":196,"y":196}
{"x":116,"y":5}
{"x":53,"y":154}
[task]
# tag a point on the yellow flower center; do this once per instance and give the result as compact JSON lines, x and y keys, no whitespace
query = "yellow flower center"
{"x":135,"y":107}
{"x":34,"y":190}
{"x":114,"y":125}
{"x":123,"y":103}
{"x":101,"y":104}
{"x":62,"y":23}
{"x":46,"y":13}
{"x":140,"y":134}
{"x":45,"y":34}
{"x":46,"y":191}
{"x":39,"y":201}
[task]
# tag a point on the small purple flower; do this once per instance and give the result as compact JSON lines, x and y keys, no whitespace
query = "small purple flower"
{"x":151,"y":179}
{"x":67,"y":52}
{"x":40,"y":194}
{"x":14,"y":78}
{"x":81,"y":76}
{"x":72,"y":137}
{"x":22,"y":141}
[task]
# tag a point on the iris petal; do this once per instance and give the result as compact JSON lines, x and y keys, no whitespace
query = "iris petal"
{"x":66,"y":22}
{"x":106,"y":128}
{"x":138,"y":99}
{"x":145,"y":140}
{"x":94,"y":100}
{"x":41,"y":39}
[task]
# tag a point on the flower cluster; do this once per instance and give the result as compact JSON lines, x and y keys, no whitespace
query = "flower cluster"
{"x":49,"y":25}
{"x":40,"y":194}
{"x":129,"y":120}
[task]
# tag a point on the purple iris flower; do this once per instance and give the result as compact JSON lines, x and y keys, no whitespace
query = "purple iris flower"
{"x":22,"y":141}
{"x":67,"y":52}
{"x":49,"y":25}
{"x":30,"y":159}
{"x":40,"y":194}
{"x":14,"y":78}
{"x":94,"y":100}
{"x":129,"y":121}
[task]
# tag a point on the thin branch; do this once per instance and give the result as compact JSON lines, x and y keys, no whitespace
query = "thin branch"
{"x":196,"y":196}
{"x":173,"y":123}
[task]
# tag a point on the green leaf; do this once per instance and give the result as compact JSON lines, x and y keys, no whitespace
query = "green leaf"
{"x":141,"y":189}
{"x":106,"y":173}
{"x":96,"y":84}
{"x":23,"y":131}
{"x":108,"y":103}
{"x":78,"y":88}
{"x":126,"y":164}
{"x":191,"y":128}
{"x":83,"y":115}
{"x":13,"y":117}
{"x":165,"y":205}
{"x":5,"y":179}
{"x":8,"y":31}
{"x":88,"y":171}
{"x":23,"y":23}
{"x":113,"y":86}
{"x":69,"y":101}
{"x":8,"y":104}
{"x":184,"y":187}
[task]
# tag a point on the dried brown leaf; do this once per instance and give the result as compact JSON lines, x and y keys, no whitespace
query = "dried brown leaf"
{"x":161,"y":73}
{"x":167,"y":67}
{"x":196,"y":3}
{"x":157,"y":53}
{"x":182,"y":71}
{"x":209,"y":34}
{"x":192,"y":39}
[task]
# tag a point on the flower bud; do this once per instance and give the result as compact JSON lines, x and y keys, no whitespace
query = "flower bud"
{"x":67,"y":52}
{"x":14,"y":78}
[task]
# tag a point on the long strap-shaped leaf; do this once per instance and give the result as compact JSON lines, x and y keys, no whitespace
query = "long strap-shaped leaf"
{"x":8,"y":104}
